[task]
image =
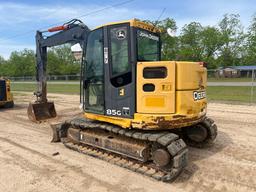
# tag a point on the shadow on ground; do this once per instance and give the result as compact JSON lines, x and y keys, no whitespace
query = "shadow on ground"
{"x":222,"y":141}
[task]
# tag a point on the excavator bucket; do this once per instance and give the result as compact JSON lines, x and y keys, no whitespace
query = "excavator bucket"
{"x":41,"y":111}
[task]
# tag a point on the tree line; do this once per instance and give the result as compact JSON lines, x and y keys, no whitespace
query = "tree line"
{"x":22,"y":63}
{"x":225,"y":44}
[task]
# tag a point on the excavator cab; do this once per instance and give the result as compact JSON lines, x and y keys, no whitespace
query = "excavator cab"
{"x":109,"y":68}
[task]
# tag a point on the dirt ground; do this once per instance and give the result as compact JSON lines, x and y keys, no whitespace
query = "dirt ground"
{"x":27,"y":163}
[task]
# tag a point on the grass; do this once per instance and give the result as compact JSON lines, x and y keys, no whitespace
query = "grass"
{"x":225,"y":93}
{"x":218,"y":93}
{"x":212,"y":79}
{"x":52,"y":88}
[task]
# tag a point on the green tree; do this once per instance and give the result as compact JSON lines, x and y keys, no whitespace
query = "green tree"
{"x":169,"y":43}
{"x":21,"y":63}
{"x":210,"y":43}
{"x":250,"y":46}
{"x":232,"y":37}
{"x":62,"y":61}
{"x":2,"y":66}
{"x":2,"y":60}
{"x":190,"y":41}
{"x":53,"y":63}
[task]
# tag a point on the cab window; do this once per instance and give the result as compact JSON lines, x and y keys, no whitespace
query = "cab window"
{"x":119,"y":50}
{"x":148,"y":45}
{"x":119,"y":55}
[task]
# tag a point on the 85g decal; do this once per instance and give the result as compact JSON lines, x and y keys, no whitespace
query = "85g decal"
{"x":114,"y":112}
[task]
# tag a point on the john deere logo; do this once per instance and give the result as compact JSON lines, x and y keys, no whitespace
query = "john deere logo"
{"x":121,"y":34}
{"x":198,"y":95}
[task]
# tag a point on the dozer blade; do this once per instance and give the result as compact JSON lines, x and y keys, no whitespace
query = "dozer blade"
{"x":41,"y":111}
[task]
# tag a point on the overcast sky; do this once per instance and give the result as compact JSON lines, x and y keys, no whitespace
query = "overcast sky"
{"x":20,"y":19}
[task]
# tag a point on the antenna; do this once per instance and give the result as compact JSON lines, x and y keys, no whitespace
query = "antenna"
{"x":159,"y":17}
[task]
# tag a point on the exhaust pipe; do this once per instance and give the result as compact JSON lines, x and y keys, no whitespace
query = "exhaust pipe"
{"x":40,"y":111}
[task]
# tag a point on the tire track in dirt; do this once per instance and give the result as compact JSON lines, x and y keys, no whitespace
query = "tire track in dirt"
{"x":25,"y":124}
{"x":39,"y":171}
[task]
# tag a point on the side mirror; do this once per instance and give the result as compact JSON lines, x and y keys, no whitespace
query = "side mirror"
{"x":77,"y":51}
{"x":171,"y":33}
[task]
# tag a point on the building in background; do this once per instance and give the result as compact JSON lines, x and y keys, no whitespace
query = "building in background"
{"x":235,"y":72}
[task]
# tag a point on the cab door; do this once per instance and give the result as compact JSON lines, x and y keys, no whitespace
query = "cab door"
{"x":119,"y":71}
{"x":94,"y":73}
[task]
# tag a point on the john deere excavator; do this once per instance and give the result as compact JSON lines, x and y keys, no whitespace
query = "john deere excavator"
{"x":6,"y":98}
{"x":139,"y":111}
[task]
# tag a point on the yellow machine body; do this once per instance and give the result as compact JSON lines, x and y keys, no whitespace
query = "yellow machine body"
{"x":179,"y":99}
{"x":6,"y":97}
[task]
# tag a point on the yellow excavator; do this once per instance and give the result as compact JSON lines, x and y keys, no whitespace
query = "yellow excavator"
{"x":139,"y":112}
{"x":6,"y":97}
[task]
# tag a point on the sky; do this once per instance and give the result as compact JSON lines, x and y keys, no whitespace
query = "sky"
{"x":20,"y":19}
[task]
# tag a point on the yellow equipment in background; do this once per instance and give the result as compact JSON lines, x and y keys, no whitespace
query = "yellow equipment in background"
{"x":6,"y":97}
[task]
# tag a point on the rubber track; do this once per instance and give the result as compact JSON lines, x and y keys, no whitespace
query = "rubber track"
{"x":176,"y":147}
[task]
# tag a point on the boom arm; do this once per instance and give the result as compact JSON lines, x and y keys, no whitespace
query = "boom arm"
{"x":71,"y":33}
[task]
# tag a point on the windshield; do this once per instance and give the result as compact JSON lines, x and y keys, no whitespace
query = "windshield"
{"x":148,"y":46}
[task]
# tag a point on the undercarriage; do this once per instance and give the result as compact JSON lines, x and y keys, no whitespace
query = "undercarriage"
{"x":161,"y":155}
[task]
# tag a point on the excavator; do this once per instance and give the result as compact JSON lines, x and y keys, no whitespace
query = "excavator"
{"x":6,"y":97}
{"x":140,"y":112}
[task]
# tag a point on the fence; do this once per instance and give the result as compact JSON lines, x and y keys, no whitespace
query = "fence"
{"x":230,"y":85}
{"x":49,"y":78}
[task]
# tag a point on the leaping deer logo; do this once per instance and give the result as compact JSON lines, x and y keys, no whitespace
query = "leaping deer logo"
{"x":120,"y":34}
